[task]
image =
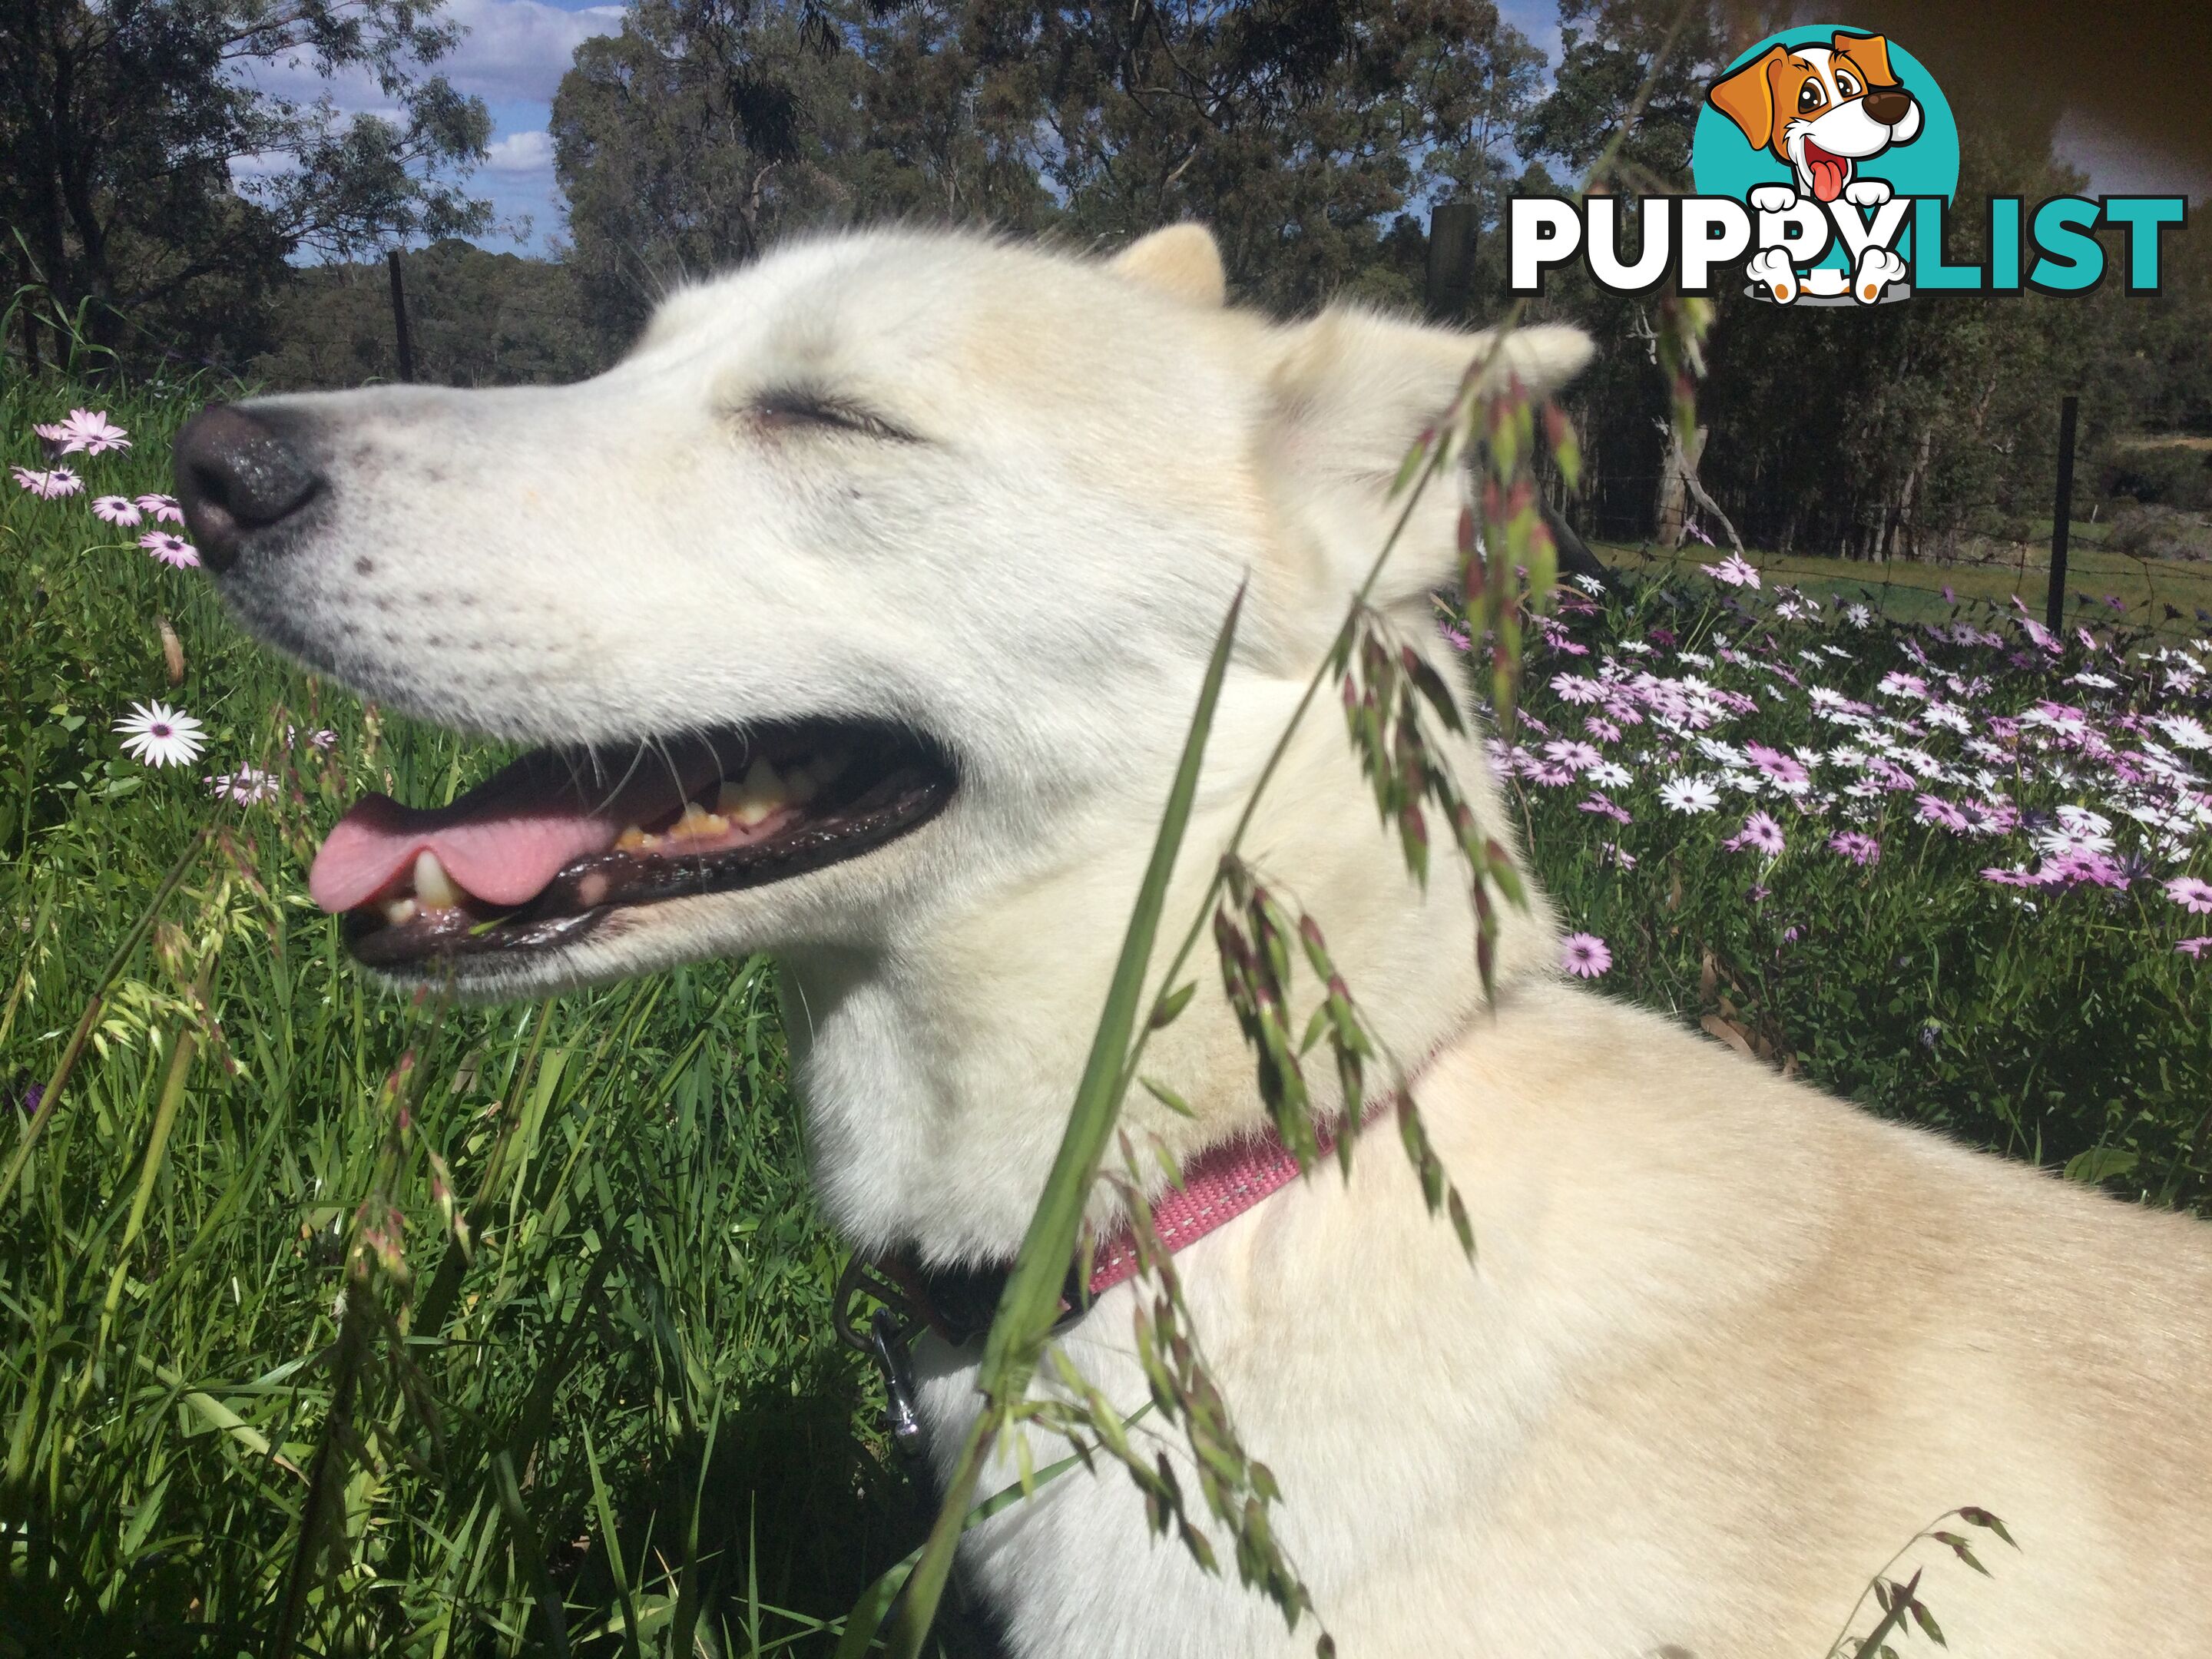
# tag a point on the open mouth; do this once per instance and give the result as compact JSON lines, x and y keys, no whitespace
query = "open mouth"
{"x":1830,"y":171}
{"x":536,"y":856}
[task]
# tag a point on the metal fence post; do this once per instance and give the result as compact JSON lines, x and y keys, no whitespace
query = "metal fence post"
{"x":399,"y":318}
{"x":2054,"y":614}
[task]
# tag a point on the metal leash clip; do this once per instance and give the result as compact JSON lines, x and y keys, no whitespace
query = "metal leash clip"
{"x":885,"y":1340}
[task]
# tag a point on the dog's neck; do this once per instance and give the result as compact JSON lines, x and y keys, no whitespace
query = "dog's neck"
{"x":938,"y":1075}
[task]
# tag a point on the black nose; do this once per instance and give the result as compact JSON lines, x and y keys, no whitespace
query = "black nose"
{"x":239,"y":471}
{"x":1888,"y":105}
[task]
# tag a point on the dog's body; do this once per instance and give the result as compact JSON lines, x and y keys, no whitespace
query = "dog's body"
{"x":1820,"y":111}
{"x":1728,"y":1343}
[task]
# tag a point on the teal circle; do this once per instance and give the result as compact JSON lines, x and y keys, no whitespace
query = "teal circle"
{"x":1723,"y":163}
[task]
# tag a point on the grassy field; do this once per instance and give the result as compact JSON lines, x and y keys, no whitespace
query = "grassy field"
{"x":1908,"y":590}
{"x":531,"y":1304}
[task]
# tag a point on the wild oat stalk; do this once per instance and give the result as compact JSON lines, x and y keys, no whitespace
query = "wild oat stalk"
{"x":1900,"y":1600}
{"x":1505,"y":571}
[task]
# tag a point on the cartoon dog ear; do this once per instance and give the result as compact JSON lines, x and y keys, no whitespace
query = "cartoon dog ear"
{"x":1869,"y":55}
{"x":1747,"y":98}
{"x":1182,"y":260}
{"x":1348,"y":395}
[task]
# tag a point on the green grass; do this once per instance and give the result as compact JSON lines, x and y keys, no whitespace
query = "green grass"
{"x":618,"y":1423}
{"x":641,"y":1332}
{"x":1912,"y":591}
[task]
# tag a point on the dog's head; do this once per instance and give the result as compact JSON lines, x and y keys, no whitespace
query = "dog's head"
{"x":872,"y":577}
{"x":1820,"y":110}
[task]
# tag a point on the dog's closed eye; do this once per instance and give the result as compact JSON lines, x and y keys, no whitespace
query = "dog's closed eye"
{"x":795,"y":408}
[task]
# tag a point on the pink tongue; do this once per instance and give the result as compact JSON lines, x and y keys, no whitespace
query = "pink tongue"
{"x":1828,"y":176}
{"x":506,"y":838}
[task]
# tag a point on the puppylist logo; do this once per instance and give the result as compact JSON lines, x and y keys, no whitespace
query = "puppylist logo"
{"x":1825,"y":159}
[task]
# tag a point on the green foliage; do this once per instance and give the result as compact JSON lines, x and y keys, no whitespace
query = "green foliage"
{"x":122,"y":123}
{"x":476,"y":318}
{"x":623,"y":1387}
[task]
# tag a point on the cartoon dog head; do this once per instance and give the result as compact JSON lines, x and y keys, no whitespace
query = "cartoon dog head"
{"x":1820,"y":109}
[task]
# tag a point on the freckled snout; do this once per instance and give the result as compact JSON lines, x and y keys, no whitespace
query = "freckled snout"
{"x":238,"y":471}
{"x":1888,"y":105}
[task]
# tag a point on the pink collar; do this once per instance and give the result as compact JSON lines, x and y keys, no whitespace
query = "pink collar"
{"x":1218,"y":1185}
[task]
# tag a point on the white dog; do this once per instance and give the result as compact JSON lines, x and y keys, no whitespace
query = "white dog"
{"x":905,"y":553}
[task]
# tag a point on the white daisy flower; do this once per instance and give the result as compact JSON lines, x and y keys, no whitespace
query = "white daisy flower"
{"x":2183,"y":731}
{"x":1689,"y":795}
{"x":159,"y":735}
{"x":246,"y":785}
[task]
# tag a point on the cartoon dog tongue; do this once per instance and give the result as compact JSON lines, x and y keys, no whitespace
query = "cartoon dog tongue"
{"x":1829,"y":171}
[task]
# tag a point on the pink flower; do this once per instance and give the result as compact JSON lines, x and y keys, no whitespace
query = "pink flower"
{"x":1760,"y":833}
{"x":163,"y":508}
{"x":173,"y":550}
{"x":1933,"y":809}
{"x":86,"y":429}
{"x":2191,"y":893}
{"x":1860,"y":849}
{"x":1575,"y":757}
{"x":116,"y":509}
{"x":1732,"y":571}
{"x":1576,"y":687}
{"x":1584,"y":955}
{"x":1601,"y":728}
{"x":48,"y":486}
{"x":2195,"y":948}
{"x":1599,"y":802}
{"x":1789,"y":774}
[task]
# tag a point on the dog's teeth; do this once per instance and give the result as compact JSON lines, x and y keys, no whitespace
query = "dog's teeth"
{"x":631,"y":838}
{"x":434,"y":888}
{"x":399,"y":911}
{"x":698,"y":821}
{"x":799,"y":785}
{"x":752,"y":800}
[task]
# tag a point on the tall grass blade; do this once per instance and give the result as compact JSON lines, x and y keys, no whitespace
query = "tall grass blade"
{"x":1031,"y":1303}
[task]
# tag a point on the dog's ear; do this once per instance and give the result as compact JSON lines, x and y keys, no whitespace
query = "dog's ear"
{"x":1869,"y":55}
{"x":1182,"y":260}
{"x":1349,"y":394}
{"x":1746,"y":97}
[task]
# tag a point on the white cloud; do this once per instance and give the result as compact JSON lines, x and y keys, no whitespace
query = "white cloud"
{"x":521,"y":152}
{"x":519,"y":50}
{"x":515,"y":51}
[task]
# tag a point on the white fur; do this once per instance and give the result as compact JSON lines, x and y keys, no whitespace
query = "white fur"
{"x":1729,"y":1342}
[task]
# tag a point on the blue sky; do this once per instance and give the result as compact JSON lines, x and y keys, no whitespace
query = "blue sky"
{"x":516,"y":52}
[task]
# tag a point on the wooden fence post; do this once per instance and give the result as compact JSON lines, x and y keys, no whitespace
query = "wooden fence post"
{"x":1450,"y":275}
{"x":2054,"y":614}
{"x":399,"y":318}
